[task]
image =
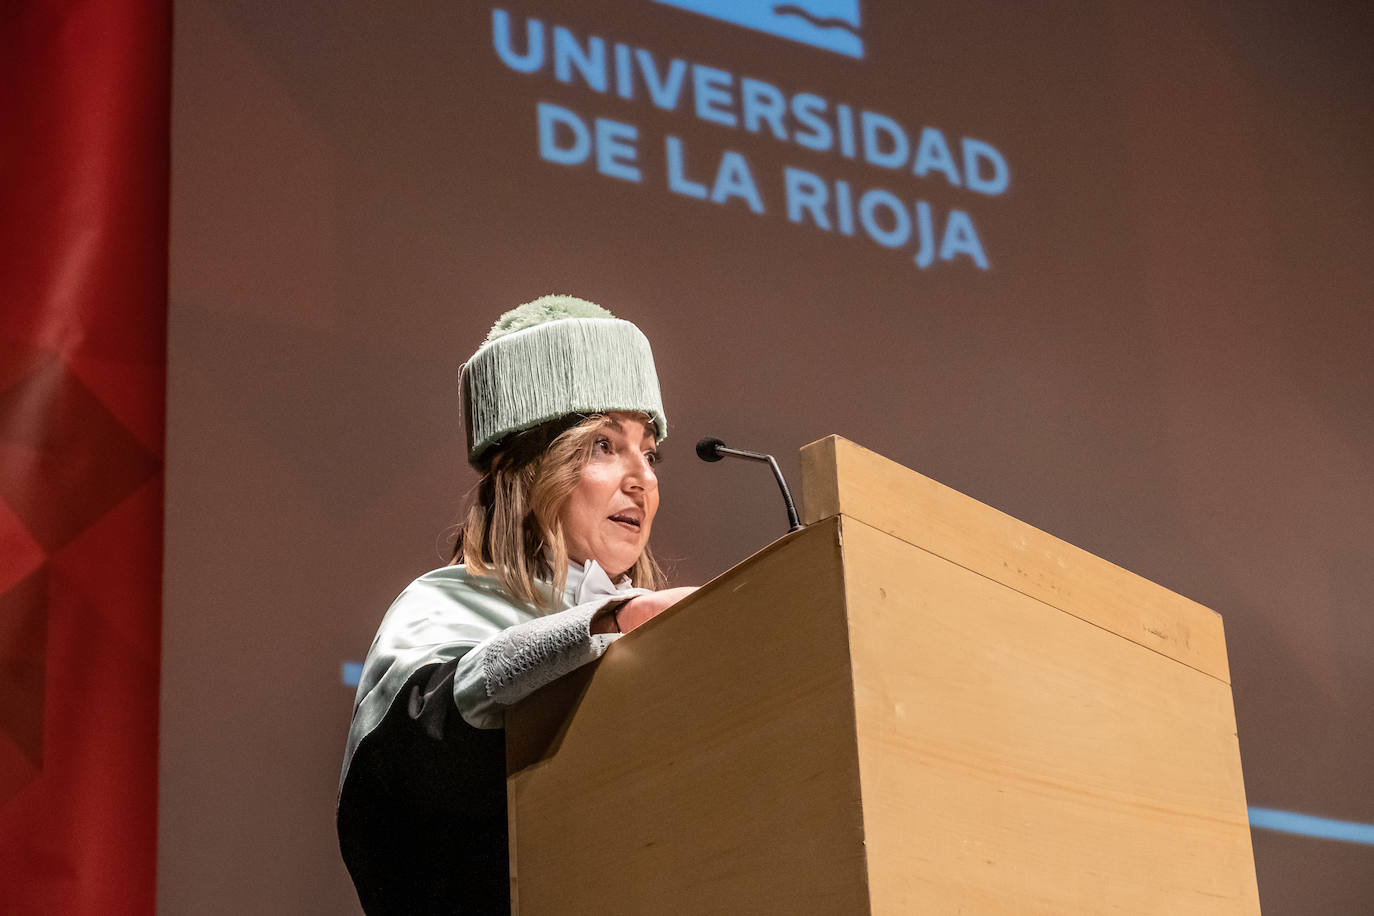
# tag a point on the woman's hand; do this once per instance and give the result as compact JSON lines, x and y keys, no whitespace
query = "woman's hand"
{"x":640,"y":609}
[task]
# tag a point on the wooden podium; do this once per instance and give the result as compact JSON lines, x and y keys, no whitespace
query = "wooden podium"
{"x":917,"y":704}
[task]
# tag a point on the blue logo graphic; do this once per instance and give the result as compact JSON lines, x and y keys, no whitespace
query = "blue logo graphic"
{"x":829,"y":24}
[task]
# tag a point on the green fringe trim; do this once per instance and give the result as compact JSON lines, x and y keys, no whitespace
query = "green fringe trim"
{"x":526,"y":377}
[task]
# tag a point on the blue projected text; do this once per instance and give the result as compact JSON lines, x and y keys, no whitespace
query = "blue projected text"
{"x":880,"y":212}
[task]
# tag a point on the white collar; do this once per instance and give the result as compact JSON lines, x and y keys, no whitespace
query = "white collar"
{"x":589,"y":582}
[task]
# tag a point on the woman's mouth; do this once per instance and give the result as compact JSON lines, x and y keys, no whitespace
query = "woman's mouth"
{"x":632,"y":519}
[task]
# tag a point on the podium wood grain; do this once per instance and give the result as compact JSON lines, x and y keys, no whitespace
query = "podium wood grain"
{"x":839,"y":477}
{"x":1021,"y":760}
{"x":915,"y":705}
{"x":713,"y":746}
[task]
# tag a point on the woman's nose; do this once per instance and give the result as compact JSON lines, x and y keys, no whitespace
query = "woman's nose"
{"x":640,"y":474}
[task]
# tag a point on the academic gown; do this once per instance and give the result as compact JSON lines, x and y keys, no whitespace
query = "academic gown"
{"x":422,"y":797}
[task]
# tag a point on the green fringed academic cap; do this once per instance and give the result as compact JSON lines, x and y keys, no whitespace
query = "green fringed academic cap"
{"x":552,"y":357}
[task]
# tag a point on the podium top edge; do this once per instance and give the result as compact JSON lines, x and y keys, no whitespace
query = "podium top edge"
{"x":840,"y":477}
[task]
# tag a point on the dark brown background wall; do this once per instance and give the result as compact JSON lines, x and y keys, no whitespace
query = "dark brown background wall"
{"x":1167,"y":363}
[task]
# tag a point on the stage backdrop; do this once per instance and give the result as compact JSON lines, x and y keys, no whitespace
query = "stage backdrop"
{"x":1105,"y":267}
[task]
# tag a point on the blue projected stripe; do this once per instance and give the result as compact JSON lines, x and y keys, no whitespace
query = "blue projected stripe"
{"x":1306,"y":825}
{"x":829,"y":24}
{"x":352,"y":673}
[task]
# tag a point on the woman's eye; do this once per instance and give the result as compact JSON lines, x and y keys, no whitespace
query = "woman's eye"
{"x":653,"y":458}
{"x":602,"y":444}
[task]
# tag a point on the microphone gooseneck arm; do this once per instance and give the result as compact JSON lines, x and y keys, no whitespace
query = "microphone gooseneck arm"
{"x":712,"y":449}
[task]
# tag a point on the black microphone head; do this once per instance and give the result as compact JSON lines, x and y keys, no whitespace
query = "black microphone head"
{"x":708,"y":449}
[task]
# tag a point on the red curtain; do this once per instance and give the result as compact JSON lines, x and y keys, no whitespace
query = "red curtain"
{"x":84,"y":109}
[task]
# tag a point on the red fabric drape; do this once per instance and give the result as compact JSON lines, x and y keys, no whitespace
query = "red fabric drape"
{"x":84,"y":109}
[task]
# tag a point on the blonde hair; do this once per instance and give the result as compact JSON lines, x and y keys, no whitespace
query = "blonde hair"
{"x":512,"y":530}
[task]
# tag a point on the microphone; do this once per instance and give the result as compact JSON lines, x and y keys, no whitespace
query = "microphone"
{"x":712,"y":449}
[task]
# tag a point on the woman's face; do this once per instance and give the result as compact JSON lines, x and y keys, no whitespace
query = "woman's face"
{"x":608,"y":516}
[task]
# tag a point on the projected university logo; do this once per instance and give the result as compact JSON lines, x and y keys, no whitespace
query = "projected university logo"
{"x":829,"y":24}
{"x":905,"y":186}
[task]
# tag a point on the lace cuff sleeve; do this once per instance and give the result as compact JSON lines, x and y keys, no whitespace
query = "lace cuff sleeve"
{"x":512,"y":664}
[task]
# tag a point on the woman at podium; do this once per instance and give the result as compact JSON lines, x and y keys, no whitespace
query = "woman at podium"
{"x":563,"y":417}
